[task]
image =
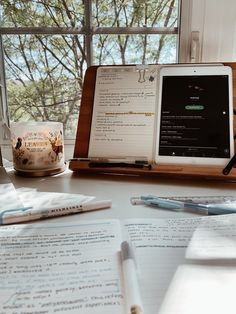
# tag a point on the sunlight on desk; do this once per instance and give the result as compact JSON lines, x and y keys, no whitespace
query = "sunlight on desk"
{"x":208,"y":284}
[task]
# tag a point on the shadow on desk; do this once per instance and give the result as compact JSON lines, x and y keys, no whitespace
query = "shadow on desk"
{"x":163,"y":180}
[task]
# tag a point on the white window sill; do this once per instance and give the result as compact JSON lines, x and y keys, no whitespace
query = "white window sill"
{"x":7,"y":152}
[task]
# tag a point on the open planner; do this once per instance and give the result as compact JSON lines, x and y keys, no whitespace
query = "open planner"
{"x":161,"y":116}
{"x":76,"y":267}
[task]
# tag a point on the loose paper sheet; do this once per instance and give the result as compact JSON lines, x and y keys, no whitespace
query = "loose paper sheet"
{"x":205,"y":289}
{"x":9,"y":198}
{"x":123,"y":112}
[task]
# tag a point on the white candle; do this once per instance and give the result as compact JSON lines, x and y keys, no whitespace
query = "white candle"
{"x":37,"y":146}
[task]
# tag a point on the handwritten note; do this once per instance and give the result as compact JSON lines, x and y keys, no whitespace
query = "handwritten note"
{"x":75,"y":268}
{"x":60,"y":269}
{"x":123,"y":112}
{"x":160,"y":248}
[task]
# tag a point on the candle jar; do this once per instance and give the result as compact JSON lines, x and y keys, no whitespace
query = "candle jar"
{"x":38,"y":148}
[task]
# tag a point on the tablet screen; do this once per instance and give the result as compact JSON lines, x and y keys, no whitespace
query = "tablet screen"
{"x":194,"y":118}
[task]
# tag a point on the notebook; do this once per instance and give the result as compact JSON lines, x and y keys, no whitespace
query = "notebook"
{"x":76,"y":267}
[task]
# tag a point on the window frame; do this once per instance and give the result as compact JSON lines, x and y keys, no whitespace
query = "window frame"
{"x":88,"y":31}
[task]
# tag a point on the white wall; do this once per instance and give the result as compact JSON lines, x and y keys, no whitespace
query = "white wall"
{"x":216,"y":22}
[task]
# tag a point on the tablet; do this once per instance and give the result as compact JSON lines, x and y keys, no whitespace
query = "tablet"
{"x":195,"y":115}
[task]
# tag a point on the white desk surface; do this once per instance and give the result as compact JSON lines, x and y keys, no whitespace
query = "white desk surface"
{"x":120,"y":188}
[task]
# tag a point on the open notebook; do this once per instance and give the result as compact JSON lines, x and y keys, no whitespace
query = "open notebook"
{"x":76,"y":267}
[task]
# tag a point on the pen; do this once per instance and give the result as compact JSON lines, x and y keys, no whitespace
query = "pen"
{"x":133,"y":296}
{"x":22,"y":215}
{"x":136,"y":160}
{"x":176,"y":205}
{"x":230,"y":165}
{"x":207,"y":209}
{"x":120,"y":164}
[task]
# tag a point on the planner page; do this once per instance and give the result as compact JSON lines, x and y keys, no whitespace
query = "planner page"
{"x":123,"y":112}
{"x":61,"y":268}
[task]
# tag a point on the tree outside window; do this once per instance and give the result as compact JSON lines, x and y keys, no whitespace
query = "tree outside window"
{"x":48,"y":44}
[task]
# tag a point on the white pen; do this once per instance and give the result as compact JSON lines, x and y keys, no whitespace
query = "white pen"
{"x":132,"y":292}
{"x":9,"y":217}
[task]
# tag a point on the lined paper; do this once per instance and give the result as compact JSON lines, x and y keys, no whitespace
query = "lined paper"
{"x":60,"y":268}
{"x":160,"y":247}
{"x":76,"y":268}
{"x":123,"y":112}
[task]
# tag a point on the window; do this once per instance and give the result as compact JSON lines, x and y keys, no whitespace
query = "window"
{"x":48,"y":44}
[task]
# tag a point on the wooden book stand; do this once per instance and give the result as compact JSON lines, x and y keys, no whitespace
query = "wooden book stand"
{"x":83,"y":136}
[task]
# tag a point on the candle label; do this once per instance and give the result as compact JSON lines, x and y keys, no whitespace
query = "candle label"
{"x":40,"y":149}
